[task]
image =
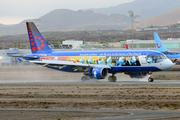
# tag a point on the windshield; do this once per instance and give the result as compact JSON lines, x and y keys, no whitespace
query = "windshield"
{"x":155,"y":58}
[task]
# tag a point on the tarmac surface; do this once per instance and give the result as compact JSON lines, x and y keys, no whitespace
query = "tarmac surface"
{"x":128,"y":114}
{"x":90,"y":82}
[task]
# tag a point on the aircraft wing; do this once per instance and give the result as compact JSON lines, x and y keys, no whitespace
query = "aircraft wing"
{"x":60,"y":64}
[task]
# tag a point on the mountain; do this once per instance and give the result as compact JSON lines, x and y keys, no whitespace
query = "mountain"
{"x":145,"y":8}
{"x":68,"y":20}
{"x":64,"y":19}
{"x":166,"y":19}
{"x":1,"y":25}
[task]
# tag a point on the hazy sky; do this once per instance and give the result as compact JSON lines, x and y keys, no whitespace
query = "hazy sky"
{"x":15,"y":11}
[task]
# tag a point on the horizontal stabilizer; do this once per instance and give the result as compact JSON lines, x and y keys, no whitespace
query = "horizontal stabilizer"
{"x":19,"y":60}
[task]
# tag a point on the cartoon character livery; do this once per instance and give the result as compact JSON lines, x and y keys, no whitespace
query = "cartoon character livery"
{"x":173,"y":56}
{"x":94,"y":64}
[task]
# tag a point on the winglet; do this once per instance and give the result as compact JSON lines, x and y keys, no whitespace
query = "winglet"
{"x":159,"y":45}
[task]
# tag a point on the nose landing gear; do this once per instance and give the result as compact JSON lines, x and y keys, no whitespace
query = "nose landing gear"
{"x":150,"y":79}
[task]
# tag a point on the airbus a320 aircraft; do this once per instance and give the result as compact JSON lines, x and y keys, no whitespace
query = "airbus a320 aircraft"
{"x":173,"y":56}
{"x":95,"y":64}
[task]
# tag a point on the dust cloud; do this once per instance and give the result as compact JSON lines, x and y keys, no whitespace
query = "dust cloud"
{"x":27,"y":73}
{"x":36,"y":73}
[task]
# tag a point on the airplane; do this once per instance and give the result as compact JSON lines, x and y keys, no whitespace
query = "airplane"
{"x":95,"y":64}
{"x":173,"y":56}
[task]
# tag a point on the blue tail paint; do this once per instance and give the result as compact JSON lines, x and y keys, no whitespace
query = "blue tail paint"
{"x":19,"y":60}
{"x":37,"y":42}
{"x":159,"y":45}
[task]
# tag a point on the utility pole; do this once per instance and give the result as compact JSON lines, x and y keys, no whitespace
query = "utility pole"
{"x":132,"y":16}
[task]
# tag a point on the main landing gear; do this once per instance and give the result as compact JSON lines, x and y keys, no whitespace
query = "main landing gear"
{"x":150,"y":79}
{"x":112,"y":78}
{"x":85,"y":78}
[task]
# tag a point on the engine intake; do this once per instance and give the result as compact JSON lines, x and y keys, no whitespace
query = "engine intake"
{"x":98,"y":72}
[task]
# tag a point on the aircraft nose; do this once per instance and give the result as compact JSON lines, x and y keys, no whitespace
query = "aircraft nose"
{"x":167,"y":64}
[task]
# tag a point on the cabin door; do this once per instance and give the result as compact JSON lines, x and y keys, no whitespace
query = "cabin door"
{"x":142,"y":59}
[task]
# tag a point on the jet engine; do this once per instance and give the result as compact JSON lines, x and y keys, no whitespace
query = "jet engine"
{"x":98,"y":72}
{"x":136,"y":74}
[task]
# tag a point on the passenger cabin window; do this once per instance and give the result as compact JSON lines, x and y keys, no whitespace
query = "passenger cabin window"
{"x":155,"y":58}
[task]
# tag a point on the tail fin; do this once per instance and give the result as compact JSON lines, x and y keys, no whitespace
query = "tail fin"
{"x":159,"y":45}
{"x":127,"y":47}
{"x":37,"y":42}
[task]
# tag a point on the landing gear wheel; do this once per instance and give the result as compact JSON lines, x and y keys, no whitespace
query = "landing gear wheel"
{"x":85,"y":78}
{"x":150,"y":79}
{"x":112,"y":78}
{"x":91,"y":76}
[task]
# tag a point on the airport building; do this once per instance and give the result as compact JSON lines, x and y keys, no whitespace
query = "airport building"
{"x":67,"y":44}
{"x":101,"y":45}
{"x":171,"y":43}
{"x":73,"y":43}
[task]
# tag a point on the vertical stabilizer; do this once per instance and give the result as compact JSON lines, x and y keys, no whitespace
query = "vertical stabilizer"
{"x":159,"y":45}
{"x":127,"y":47}
{"x":37,"y":42}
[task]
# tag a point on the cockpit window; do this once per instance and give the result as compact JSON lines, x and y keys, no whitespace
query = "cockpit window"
{"x":155,"y":58}
{"x":161,"y":57}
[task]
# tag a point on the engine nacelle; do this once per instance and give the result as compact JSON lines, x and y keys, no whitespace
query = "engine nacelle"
{"x":136,"y":74}
{"x":98,"y":72}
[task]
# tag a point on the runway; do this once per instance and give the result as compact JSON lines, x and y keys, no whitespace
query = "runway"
{"x":123,"y":114}
{"x":90,"y":82}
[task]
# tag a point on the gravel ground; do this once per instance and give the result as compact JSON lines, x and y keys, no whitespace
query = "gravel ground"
{"x":113,"y":97}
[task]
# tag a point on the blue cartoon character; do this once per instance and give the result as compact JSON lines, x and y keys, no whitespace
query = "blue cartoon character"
{"x":149,"y":59}
{"x":109,"y":60}
{"x":90,"y":60}
{"x":82,"y":60}
{"x":133,"y":61}
{"x":154,"y":59}
{"x":101,"y":61}
{"x":121,"y":61}
{"x":117,"y":62}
